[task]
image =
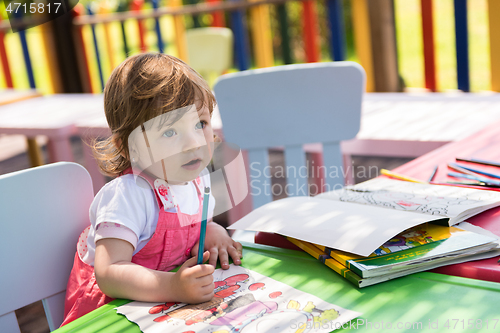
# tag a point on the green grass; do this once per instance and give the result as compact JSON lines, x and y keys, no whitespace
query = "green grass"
{"x":410,"y":49}
{"x":409,"y":39}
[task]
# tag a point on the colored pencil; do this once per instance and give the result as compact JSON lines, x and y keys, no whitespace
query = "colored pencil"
{"x":478,"y":183}
{"x":400,"y":176}
{"x":203,"y":229}
{"x":431,"y":178}
{"x":471,"y":183}
{"x":474,"y":173}
{"x":459,"y":168}
{"x":336,"y":266}
{"x":478,"y":161}
{"x":489,"y":174}
{"x":481,"y":179}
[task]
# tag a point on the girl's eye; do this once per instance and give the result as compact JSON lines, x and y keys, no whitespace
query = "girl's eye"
{"x":169,"y":133}
{"x":201,"y":125}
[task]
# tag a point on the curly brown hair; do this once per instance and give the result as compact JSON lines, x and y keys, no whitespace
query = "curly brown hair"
{"x":141,"y":88}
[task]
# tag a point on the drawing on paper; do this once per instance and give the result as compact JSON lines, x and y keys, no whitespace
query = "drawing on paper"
{"x":244,"y":301}
{"x":422,"y":198}
{"x":413,"y":237}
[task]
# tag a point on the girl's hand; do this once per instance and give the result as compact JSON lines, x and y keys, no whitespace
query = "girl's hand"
{"x":194,"y":283}
{"x":220,"y":245}
{"x":118,"y":277}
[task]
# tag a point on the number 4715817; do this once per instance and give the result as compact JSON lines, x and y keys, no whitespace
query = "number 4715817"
{"x":33,"y":7}
{"x":471,"y":323}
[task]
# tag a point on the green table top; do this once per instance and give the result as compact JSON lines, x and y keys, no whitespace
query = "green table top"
{"x":419,"y":302}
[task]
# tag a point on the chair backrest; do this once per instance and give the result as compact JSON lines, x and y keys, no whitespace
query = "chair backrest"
{"x":210,"y":50}
{"x":290,"y":106}
{"x":42,"y":212}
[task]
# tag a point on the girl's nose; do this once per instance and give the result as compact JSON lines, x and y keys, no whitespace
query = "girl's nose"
{"x":193,"y":140}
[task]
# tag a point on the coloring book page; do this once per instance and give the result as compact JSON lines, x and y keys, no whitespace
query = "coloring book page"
{"x":245,"y":301}
{"x":439,"y":200}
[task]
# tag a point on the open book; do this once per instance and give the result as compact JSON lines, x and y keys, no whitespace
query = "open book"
{"x":360,"y":218}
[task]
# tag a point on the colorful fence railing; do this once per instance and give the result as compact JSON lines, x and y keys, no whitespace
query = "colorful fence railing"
{"x":263,"y":37}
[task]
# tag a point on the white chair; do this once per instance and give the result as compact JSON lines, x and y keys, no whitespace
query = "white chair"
{"x":289,"y":106}
{"x":43,"y":211}
{"x":210,"y":51}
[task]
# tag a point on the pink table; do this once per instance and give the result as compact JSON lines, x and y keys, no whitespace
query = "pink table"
{"x":413,"y":124}
{"x":54,"y":116}
{"x":484,"y":144}
{"x":8,"y":96}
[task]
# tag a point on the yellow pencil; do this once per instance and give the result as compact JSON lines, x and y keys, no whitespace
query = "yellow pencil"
{"x":401,"y":177}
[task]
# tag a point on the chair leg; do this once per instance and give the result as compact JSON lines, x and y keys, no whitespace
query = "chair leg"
{"x":8,"y":323}
{"x":54,"y":310}
{"x":59,"y":149}
{"x":34,"y":153}
{"x":241,"y":197}
{"x":348,"y":165}
{"x":317,"y":173}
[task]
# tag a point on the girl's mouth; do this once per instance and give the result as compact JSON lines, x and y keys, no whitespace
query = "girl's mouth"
{"x":192,"y":165}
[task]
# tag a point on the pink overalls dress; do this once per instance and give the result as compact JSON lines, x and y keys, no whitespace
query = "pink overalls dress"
{"x":169,"y":247}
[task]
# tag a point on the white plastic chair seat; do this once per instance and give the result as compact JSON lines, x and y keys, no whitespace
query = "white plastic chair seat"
{"x":43,"y":211}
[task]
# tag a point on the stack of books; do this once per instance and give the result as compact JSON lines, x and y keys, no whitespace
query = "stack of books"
{"x":417,"y":249}
{"x":381,"y":229}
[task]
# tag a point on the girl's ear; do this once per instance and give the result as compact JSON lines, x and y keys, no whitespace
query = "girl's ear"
{"x":117,"y":142}
{"x":118,"y":145}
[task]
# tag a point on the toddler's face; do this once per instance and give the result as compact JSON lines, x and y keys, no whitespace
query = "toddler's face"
{"x":175,"y":146}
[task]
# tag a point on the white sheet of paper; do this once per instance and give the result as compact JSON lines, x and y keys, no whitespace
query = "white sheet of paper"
{"x":246,"y":302}
{"x":454,"y":202}
{"x":350,"y":227}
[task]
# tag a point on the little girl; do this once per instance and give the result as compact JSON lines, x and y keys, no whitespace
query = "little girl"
{"x":145,"y":222}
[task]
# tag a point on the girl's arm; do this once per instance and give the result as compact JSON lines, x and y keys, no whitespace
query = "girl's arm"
{"x":221,"y":246}
{"x":118,"y":277}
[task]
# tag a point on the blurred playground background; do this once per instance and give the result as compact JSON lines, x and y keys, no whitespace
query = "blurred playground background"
{"x":385,"y":36}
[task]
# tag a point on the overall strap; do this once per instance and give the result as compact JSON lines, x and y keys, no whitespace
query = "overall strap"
{"x":150,"y":180}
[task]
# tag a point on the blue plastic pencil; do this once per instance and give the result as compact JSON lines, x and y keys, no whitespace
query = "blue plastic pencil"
{"x":203,"y":229}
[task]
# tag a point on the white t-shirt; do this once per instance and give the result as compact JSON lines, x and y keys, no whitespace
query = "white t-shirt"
{"x":130,"y":201}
